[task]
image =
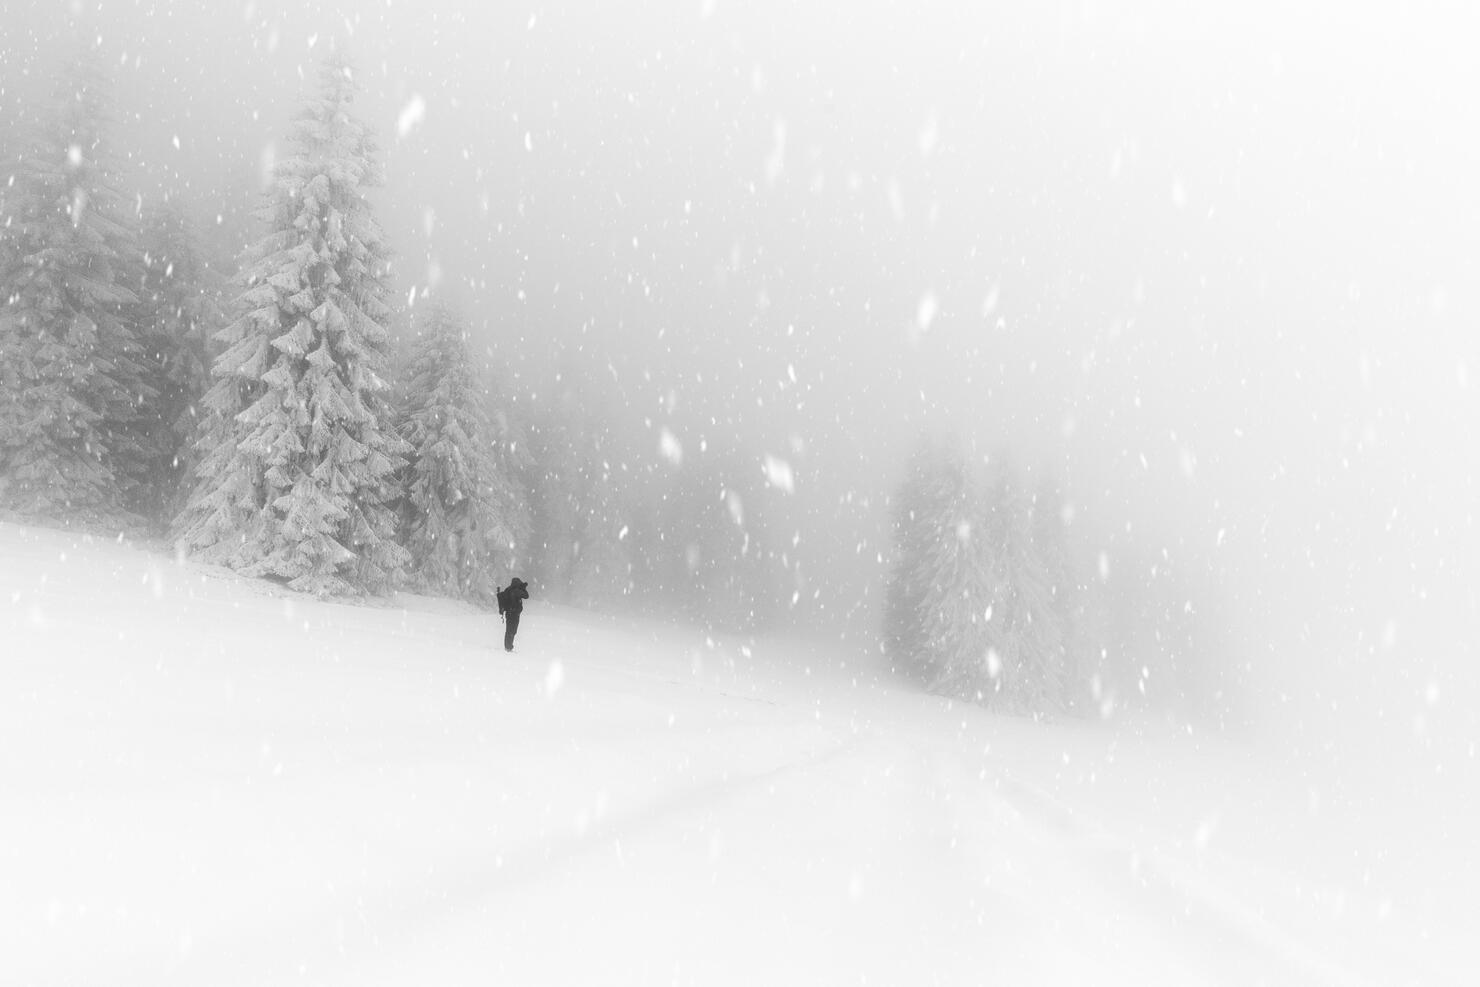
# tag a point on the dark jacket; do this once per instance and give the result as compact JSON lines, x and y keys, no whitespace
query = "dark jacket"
{"x":511,"y":598}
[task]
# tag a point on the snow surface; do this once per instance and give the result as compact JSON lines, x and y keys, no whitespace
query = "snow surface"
{"x":210,"y":780}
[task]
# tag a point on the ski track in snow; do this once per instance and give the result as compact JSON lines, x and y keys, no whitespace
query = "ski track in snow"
{"x":210,"y":780}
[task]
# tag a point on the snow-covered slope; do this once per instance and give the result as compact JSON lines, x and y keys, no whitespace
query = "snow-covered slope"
{"x":207,"y":780}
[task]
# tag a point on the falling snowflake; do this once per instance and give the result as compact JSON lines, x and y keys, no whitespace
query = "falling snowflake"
{"x":929,"y":135}
{"x":776,"y":160}
{"x":926,"y":311}
{"x":412,"y":114}
{"x":778,"y":473}
{"x":670,"y":448}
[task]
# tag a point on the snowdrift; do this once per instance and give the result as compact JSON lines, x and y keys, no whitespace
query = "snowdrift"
{"x":205,"y":779}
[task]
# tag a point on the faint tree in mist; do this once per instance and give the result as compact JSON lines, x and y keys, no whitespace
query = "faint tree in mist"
{"x":970,"y":606}
{"x":181,"y":307}
{"x":71,"y":382}
{"x":465,"y":518}
{"x":920,"y":502}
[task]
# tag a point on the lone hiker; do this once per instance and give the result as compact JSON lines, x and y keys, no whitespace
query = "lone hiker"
{"x":510,"y":606}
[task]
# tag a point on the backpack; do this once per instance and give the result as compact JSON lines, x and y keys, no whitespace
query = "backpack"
{"x":503,"y":601}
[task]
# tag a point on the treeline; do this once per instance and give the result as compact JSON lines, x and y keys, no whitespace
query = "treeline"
{"x":263,"y":415}
{"x":268,"y":420}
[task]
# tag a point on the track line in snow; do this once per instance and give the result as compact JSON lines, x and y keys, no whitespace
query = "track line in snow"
{"x":320,"y":944}
{"x":1198,"y":922}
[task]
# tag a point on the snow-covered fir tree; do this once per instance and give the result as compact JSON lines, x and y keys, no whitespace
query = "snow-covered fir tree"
{"x":916,"y":511}
{"x":971,"y":607}
{"x":465,"y":519}
{"x":960,"y":595}
{"x":70,"y":379}
{"x":297,"y":473}
{"x":1050,"y":519}
{"x":1026,"y":635}
{"x":179,"y":310}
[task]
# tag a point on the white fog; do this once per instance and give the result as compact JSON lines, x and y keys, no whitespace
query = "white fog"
{"x":1190,"y":286}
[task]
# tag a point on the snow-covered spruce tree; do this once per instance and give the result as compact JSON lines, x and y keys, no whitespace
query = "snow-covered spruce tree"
{"x":179,"y":310}
{"x":959,"y":589}
{"x":297,"y":472}
{"x":1049,"y":522}
{"x":916,"y":515}
{"x":70,"y":381}
{"x":970,"y":603}
{"x":464,"y":525}
{"x":1025,"y":635}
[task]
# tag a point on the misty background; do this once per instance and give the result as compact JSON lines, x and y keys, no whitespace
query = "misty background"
{"x":1211,"y":270}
